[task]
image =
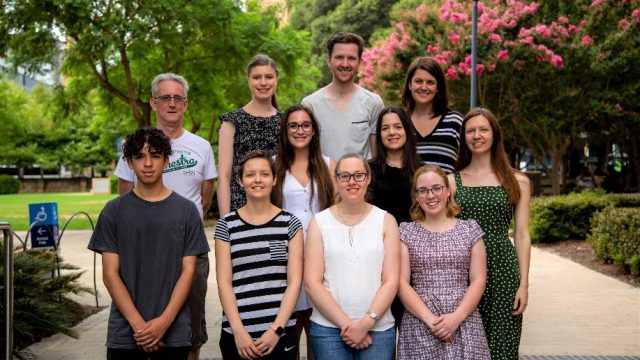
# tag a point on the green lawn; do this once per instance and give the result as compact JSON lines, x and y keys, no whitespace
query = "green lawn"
{"x":15,"y":208}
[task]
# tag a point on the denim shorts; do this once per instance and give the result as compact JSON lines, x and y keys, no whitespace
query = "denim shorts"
{"x":328,"y":345}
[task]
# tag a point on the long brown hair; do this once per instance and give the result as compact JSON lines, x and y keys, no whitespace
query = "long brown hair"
{"x":317,"y":169}
{"x":417,"y":214}
{"x":410,"y":160}
{"x":262,"y":60}
{"x":499,"y":159}
{"x":441,"y":100}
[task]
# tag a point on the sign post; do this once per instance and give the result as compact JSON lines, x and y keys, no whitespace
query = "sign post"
{"x":44,"y":233}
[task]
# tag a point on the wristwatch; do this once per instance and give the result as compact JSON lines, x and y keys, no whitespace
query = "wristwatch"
{"x":279,"y":330}
{"x":372,"y":315}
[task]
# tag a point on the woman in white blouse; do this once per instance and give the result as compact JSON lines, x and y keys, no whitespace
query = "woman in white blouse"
{"x":351,"y":271}
{"x":303,"y":183}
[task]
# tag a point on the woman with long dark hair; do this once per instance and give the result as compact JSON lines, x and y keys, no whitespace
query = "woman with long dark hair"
{"x":437,"y":127}
{"x":491,"y":192}
{"x":303,"y":184}
{"x":255,"y":126}
{"x":392,"y":169}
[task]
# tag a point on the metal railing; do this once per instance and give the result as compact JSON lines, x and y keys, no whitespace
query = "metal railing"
{"x":8,"y":288}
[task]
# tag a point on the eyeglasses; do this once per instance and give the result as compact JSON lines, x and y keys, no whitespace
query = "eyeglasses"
{"x":346,"y":177}
{"x":305,"y":126}
{"x":436,"y":190}
{"x":165,"y":99}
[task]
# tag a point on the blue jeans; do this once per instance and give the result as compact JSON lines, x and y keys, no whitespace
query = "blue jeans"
{"x":328,"y":345}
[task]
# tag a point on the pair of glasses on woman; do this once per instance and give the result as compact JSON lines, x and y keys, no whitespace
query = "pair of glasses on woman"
{"x":345,"y":176}
{"x":305,"y":126}
{"x":436,"y":190}
{"x":165,"y":99}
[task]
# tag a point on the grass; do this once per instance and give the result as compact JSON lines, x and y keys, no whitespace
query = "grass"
{"x":14,"y":209}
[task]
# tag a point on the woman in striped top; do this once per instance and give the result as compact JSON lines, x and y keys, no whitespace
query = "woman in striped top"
{"x":437,"y":128}
{"x":259,"y":251}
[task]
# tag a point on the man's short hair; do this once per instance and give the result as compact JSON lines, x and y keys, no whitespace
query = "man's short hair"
{"x":345,"y":38}
{"x":155,"y":84}
{"x":157,"y":141}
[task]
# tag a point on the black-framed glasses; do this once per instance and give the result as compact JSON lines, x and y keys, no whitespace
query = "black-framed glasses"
{"x":305,"y":126}
{"x":436,"y":190}
{"x":165,"y":99}
{"x":345,"y":176}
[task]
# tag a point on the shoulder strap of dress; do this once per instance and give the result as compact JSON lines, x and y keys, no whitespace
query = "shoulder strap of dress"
{"x":458,"y":179}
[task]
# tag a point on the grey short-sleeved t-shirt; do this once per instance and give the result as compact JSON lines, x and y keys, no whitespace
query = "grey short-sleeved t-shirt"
{"x":346,"y":130}
{"x":150,"y":238}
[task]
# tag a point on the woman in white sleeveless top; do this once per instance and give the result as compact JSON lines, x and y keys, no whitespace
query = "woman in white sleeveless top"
{"x":352,"y":271}
{"x":303,"y":184}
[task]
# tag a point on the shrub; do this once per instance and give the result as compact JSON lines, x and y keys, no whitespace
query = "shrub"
{"x":42,"y":305}
{"x":625,"y":200}
{"x":556,"y":218}
{"x":113,"y":184}
{"x":615,"y":237}
{"x":9,"y":184}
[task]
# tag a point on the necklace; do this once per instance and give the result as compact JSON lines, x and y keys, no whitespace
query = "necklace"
{"x":351,"y":227}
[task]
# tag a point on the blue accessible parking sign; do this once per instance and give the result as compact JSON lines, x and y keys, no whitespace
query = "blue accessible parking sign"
{"x":44,"y":232}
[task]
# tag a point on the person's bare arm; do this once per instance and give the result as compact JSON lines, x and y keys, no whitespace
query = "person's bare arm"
{"x":206,"y":190}
{"x":522,"y":243}
{"x":118,"y":291}
{"x":225,"y":166}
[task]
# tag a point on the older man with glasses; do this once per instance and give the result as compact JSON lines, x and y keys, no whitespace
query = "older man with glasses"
{"x":191,"y":172}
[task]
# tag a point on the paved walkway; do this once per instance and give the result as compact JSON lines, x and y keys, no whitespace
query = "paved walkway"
{"x":574,"y":312}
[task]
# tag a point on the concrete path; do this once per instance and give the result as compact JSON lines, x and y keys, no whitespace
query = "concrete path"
{"x":573,"y":313}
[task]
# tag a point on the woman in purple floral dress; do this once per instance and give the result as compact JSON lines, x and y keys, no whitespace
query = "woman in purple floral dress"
{"x":443,"y":274}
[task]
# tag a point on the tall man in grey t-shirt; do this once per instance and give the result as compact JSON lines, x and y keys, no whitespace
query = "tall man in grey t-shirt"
{"x":346,"y":112}
{"x":149,"y":239}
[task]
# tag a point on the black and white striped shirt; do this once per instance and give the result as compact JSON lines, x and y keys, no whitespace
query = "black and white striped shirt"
{"x":259,"y":267}
{"x":440,"y":147}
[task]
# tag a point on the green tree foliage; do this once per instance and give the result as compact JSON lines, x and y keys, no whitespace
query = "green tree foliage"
{"x":119,"y":46}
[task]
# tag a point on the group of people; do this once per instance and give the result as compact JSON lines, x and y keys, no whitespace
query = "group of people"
{"x":378,"y":232}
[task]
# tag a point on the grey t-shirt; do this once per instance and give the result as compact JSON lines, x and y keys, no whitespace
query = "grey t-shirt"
{"x":346,"y":130}
{"x":150,"y":238}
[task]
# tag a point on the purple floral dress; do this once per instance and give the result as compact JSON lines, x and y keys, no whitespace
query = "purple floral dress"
{"x":439,"y":264}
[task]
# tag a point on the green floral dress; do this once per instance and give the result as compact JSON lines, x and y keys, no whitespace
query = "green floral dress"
{"x":489,"y":206}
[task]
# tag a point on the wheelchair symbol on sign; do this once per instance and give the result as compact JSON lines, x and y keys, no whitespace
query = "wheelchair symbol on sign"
{"x":41,"y":215}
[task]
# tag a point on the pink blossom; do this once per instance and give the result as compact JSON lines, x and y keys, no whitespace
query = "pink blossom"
{"x":528,"y":40}
{"x":467,"y":59}
{"x":543,"y":30}
{"x":432,"y":49}
{"x":459,"y":18}
{"x":596,"y":3}
{"x":583,"y":22}
{"x":453,"y":37}
{"x":464,"y":68}
{"x":524,"y":32}
{"x":556,"y":61}
{"x":573,"y":29}
{"x":563,"y":19}
{"x":440,"y":59}
{"x":495,"y":38}
{"x":492,"y":67}
{"x":623,"y":23}
{"x":452,"y":73}
{"x":479,"y":69}
{"x":636,"y":13}
{"x":587,"y":40}
{"x":503,"y":54}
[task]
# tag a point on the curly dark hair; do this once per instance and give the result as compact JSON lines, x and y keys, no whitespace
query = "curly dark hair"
{"x":157,"y":141}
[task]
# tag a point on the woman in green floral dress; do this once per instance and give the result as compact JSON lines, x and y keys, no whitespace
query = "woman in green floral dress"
{"x":490,"y":191}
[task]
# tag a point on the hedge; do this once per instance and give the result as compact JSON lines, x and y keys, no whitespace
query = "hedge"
{"x":9,"y":184}
{"x":615,"y":237}
{"x":113,"y":184}
{"x":556,"y":218}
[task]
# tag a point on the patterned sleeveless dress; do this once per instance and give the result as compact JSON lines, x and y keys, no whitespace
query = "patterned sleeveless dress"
{"x":489,"y":206}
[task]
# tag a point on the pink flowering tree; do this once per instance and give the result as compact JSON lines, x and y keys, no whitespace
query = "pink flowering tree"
{"x":535,"y":64}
